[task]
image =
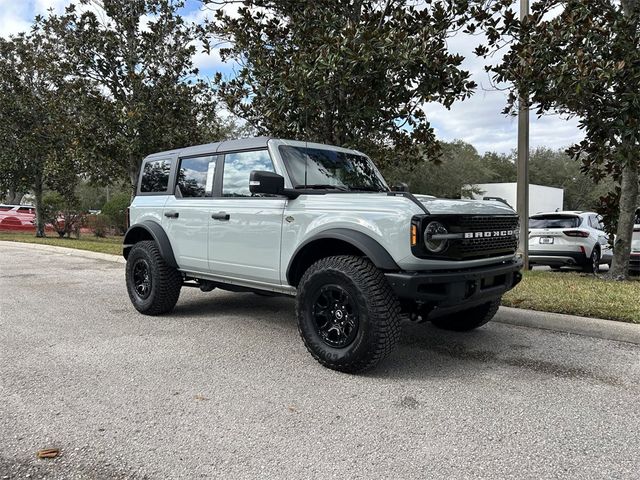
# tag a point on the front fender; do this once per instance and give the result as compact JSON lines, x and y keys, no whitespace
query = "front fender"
{"x":363,"y":242}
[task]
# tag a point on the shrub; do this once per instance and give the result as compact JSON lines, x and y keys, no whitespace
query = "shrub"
{"x":99,"y":224}
{"x":63,"y":214}
{"x":116,"y":210}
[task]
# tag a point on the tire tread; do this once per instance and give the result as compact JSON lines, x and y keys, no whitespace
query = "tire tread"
{"x":168,"y":281}
{"x":383,"y":311}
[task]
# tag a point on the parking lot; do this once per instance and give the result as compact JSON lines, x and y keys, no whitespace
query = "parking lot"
{"x":224,"y":388}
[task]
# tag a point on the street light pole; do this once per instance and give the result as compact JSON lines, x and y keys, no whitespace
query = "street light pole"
{"x":523,"y":163}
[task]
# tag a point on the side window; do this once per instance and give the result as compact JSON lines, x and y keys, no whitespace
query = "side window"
{"x":195,"y":176}
{"x":238,"y":166}
{"x":155,"y":176}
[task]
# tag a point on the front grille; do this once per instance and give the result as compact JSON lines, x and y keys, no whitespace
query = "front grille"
{"x":488,"y":246}
{"x":491,"y":236}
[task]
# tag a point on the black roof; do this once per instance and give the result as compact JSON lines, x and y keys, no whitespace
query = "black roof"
{"x":226,"y":145}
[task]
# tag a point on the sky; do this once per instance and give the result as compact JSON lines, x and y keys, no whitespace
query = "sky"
{"x":477,"y":120}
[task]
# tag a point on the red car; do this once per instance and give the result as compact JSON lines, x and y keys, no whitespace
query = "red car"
{"x":17,"y":217}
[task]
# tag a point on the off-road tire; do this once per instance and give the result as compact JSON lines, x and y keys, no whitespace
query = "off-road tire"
{"x":592,"y":264}
{"x":165,"y":281}
{"x":469,"y":319}
{"x":378,"y":312}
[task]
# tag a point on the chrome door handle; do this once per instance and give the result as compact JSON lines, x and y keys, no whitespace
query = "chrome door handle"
{"x":220,"y":216}
{"x":171,"y":214}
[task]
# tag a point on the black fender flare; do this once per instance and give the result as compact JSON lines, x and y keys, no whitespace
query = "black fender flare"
{"x":156,"y":232}
{"x":363,"y":242}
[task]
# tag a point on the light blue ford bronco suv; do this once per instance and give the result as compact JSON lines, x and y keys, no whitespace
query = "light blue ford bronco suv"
{"x":318,"y":222}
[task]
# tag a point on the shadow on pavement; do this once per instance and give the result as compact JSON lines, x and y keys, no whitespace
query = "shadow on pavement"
{"x":423,"y":350}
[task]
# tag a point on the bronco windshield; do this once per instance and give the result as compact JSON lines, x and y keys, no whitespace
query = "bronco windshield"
{"x":331,"y":169}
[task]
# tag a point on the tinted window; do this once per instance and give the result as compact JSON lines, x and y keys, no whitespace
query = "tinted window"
{"x":593,"y":221}
{"x":195,"y":176}
{"x":554,"y":221}
{"x":155,"y":176}
{"x":238,"y":166}
{"x":330,"y":168}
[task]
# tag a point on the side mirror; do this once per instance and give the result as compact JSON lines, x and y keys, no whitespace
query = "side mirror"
{"x":400,"y":187}
{"x":268,"y":183}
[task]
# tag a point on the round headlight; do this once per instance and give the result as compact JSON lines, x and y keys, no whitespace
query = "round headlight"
{"x":435,"y":245}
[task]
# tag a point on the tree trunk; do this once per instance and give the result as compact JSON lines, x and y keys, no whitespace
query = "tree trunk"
{"x":133,"y":177}
{"x":629,"y":201}
{"x":628,"y":197}
{"x":37,"y":191}
{"x":14,"y":197}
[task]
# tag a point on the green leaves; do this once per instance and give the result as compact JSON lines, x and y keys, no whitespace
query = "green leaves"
{"x":342,"y":72}
{"x":580,"y":59}
{"x":143,"y":91}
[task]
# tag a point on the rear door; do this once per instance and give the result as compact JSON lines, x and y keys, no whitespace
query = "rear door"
{"x":245,"y":229}
{"x":186,"y":214}
{"x":605,"y":249}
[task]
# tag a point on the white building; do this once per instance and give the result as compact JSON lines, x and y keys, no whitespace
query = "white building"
{"x":541,"y":198}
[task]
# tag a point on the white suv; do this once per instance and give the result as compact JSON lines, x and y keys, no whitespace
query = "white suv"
{"x":318,"y":223}
{"x":568,"y":239}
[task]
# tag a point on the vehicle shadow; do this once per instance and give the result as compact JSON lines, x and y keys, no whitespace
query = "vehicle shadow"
{"x":423,"y":351}
{"x":195,"y":304}
{"x":426,"y":351}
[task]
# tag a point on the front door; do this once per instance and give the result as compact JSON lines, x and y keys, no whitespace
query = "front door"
{"x":245,"y":230}
{"x":186,"y":214}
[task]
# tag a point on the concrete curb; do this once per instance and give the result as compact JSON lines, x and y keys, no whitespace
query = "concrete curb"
{"x":72,"y":252}
{"x":589,"y":327}
{"x":557,"y":322}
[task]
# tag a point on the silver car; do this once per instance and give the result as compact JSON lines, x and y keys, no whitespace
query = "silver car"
{"x":569,"y":239}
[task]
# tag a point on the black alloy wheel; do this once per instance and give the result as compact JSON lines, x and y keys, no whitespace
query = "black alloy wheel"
{"x":335,"y":316}
{"x":142,"y":278}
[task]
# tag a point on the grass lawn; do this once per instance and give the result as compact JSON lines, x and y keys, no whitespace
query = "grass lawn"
{"x":577,"y":294}
{"x":86,"y":242}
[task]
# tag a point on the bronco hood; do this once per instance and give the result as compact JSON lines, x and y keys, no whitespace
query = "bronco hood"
{"x":443,"y":206}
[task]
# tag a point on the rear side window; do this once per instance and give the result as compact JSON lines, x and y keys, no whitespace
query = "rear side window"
{"x":195,"y":176}
{"x":554,"y":221}
{"x":238,"y":167}
{"x":155,"y":176}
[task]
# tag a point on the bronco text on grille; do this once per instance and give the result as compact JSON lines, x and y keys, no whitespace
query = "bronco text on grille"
{"x":472,"y":236}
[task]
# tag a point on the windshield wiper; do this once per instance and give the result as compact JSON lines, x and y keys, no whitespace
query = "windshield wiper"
{"x":367,"y":189}
{"x":321,"y":187}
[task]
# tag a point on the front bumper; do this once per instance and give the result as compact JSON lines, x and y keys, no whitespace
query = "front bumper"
{"x":456,"y":288}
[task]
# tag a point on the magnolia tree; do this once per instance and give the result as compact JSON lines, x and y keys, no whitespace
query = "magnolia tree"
{"x":581,"y":59}
{"x":353,"y":73}
{"x":37,"y":118}
{"x":146,"y":96}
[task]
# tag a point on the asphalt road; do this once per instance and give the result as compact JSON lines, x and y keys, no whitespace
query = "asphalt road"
{"x":223,"y":388}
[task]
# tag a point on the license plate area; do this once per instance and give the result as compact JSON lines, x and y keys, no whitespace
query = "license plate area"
{"x":546,"y":240}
